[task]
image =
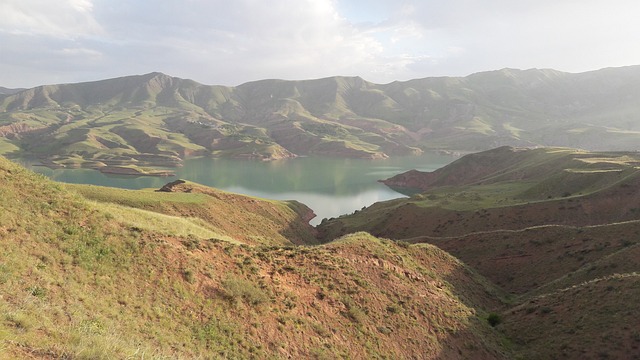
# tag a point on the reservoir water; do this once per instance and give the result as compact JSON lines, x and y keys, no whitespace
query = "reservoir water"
{"x":331,"y":187}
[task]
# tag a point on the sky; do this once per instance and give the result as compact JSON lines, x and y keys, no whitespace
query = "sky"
{"x":231,"y":42}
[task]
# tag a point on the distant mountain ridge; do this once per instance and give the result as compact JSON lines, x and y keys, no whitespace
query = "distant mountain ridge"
{"x":156,"y":119}
{"x":6,"y":91}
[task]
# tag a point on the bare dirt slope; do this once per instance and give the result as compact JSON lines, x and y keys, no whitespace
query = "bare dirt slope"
{"x":558,"y":229}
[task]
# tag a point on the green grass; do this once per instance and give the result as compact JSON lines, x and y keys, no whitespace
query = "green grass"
{"x":478,"y":125}
{"x":134,"y":198}
{"x":161,"y":223}
{"x":618,"y":161}
{"x":466,"y":198}
{"x":7,"y":147}
{"x":514,"y":131}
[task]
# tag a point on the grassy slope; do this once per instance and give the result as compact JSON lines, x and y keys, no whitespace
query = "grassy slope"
{"x":79,"y":282}
{"x":491,"y":191}
{"x":548,"y":222}
{"x":246,"y":219}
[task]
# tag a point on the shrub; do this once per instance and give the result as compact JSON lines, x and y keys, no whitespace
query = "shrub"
{"x":356,"y":315}
{"x":191,"y":243}
{"x":394,"y":309}
{"x":546,"y":310}
{"x":403,"y":244}
{"x":37,"y":291}
{"x":19,"y":320}
{"x":494,"y":319}
{"x":236,"y":288}
{"x":189,"y":276}
{"x":320,"y":330}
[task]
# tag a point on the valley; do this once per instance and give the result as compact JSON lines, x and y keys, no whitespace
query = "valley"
{"x":556,"y":228}
{"x":319,"y":180}
{"x":508,"y":253}
{"x":189,"y":271}
{"x":520,"y":240}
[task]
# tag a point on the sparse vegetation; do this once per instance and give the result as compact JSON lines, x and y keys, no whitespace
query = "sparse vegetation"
{"x":540,"y":224}
{"x":236,"y":289}
{"x":89,"y":272}
{"x":80,"y":281}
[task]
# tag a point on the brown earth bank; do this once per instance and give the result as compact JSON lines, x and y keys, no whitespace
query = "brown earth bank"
{"x":557,"y":229}
{"x":546,"y":258}
{"x":505,"y":164}
{"x":119,"y":167}
{"x":13,"y":130}
{"x":409,"y":219}
{"x":592,"y":320}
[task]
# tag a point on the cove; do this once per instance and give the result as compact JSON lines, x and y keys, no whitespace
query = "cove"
{"x":330,"y":186}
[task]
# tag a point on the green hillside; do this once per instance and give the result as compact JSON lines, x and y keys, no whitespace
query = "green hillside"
{"x":100,"y":273}
{"x":126,"y":124}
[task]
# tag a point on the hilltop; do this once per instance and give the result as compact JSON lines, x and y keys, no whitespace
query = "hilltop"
{"x":189,"y":271}
{"x":556,"y":228}
{"x":6,"y":91}
{"x":126,"y":124}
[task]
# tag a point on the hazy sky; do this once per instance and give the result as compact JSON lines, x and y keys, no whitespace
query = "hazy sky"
{"x":234,"y":41}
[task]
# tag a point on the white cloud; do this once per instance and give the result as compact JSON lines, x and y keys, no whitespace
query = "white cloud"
{"x":567,"y":35}
{"x":60,"y":18}
{"x":81,"y":5}
{"x":230,"y":42}
{"x":81,"y":52}
{"x":249,"y":39}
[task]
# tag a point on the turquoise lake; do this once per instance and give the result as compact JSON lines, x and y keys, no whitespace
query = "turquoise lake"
{"x":331,"y":187}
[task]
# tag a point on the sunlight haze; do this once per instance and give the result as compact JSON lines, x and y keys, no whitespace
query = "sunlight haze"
{"x":229,"y":43}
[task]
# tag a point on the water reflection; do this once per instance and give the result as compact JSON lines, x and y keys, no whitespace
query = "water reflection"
{"x":330,"y":187}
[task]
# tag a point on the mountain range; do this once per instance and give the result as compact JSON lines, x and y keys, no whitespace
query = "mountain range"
{"x":129,"y":123}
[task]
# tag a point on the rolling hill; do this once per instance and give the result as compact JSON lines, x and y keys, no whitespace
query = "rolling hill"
{"x":557,"y":228}
{"x":508,"y":253}
{"x":188,"y":271}
{"x":126,"y":124}
{"x":192,"y":272}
